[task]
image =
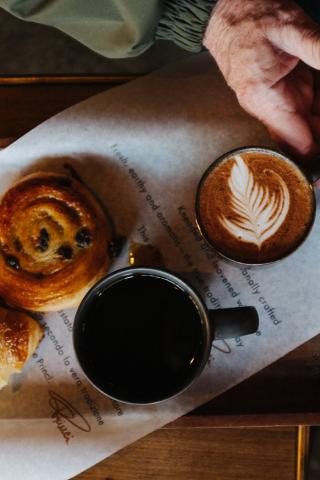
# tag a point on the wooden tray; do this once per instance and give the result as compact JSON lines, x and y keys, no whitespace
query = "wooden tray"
{"x":286,"y":393}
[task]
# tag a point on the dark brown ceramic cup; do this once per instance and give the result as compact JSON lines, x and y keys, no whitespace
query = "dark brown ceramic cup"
{"x":143,"y":335}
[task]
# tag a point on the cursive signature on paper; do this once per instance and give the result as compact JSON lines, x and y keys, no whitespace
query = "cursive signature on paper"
{"x":64,"y":415}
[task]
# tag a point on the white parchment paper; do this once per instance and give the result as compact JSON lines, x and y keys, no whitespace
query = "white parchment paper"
{"x":143,"y":148}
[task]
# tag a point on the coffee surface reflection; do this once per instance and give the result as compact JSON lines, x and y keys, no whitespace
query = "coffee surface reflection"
{"x":255,"y":206}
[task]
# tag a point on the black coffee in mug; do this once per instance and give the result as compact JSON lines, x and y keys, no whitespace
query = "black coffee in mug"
{"x":141,"y":339}
{"x":142,"y":335}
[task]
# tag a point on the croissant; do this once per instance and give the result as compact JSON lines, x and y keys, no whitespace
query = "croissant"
{"x":54,"y":239}
{"x":19,"y":337}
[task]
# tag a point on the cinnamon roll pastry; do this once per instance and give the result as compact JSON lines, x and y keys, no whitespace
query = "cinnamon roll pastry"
{"x":54,"y":239}
{"x":19,"y":337}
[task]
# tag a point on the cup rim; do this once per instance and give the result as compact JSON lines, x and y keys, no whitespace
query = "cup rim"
{"x":122,"y":273}
{"x":214,"y":164}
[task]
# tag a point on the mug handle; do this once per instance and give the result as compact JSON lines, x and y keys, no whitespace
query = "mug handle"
{"x":233,"y":322}
{"x":312,"y":169}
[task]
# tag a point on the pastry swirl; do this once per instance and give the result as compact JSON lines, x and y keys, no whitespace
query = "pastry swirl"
{"x":54,"y":239}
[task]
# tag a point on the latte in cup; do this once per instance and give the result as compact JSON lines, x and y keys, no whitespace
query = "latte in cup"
{"x":255,"y":206}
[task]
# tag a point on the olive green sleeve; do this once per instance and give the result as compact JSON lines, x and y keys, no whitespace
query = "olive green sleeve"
{"x":184,"y":22}
{"x":120,"y":28}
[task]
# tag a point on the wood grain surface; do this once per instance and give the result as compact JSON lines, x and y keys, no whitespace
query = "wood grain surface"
{"x":203,"y":454}
{"x":23,"y":107}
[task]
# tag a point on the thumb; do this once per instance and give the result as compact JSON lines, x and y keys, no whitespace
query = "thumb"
{"x":300,"y":39}
{"x":291,"y":131}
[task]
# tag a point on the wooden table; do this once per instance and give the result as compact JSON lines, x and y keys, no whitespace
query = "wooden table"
{"x":285,"y":395}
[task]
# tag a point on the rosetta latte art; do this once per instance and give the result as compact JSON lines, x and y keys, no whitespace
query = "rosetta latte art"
{"x":259,"y":213}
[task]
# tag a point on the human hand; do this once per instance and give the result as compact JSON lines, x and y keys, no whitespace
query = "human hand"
{"x":268,"y":51}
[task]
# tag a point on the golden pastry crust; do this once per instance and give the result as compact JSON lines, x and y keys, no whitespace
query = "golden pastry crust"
{"x":54,"y":239}
{"x":19,"y":337}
